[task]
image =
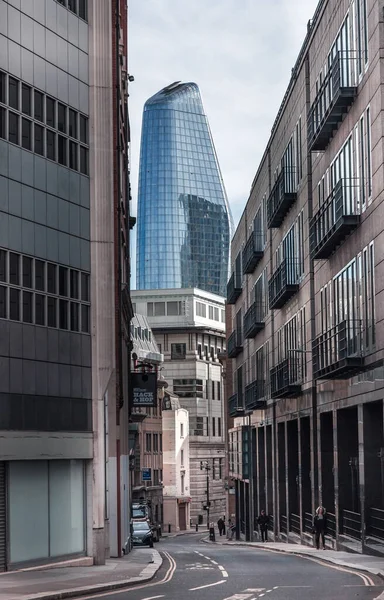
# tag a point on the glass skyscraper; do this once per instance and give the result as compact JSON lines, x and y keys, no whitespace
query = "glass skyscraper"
{"x":184,"y":219}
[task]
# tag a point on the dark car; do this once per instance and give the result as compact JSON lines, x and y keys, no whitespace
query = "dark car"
{"x":142,"y":534}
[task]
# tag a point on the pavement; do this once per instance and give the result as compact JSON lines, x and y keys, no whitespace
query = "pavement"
{"x":362,"y":562}
{"x":139,"y":566}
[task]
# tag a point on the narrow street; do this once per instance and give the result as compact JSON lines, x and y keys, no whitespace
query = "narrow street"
{"x":195,"y":570}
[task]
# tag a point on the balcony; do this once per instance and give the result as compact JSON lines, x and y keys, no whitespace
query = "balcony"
{"x":235,"y":344}
{"x":253,"y":252}
{"x":253,"y":320}
{"x":234,"y":289}
{"x":337,"y":217}
{"x":255,"y":395}
{"x":284,"y":283}
{"x":235,"y":408}
{"x":338,"y":353}
{"x":286,"y":377}
{"x":333,"y":99}
{"x":282,"y":197}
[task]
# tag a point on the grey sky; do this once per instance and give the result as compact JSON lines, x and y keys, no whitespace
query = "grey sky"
{"x":239,"y":52}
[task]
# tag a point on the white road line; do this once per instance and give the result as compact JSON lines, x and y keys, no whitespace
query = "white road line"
{"x":221,"y":568}
{"x":256,"y":590}
{"x":224,"y":573}
{"x":201,"y":587}
{"x":153,"y":597}
{"x":213,"y":562}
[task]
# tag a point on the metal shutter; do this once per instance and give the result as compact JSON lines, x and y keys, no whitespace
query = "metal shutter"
{"x":2,"y":518}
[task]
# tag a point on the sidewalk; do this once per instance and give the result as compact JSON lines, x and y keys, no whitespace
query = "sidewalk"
{"x":138,"y":566}
{"x":362,"y":562}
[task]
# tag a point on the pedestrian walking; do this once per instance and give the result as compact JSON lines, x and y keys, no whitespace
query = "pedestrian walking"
{"x":320,"y":526}
{"x":263,"y":522}
{"x":224,"y":525}
{"x":221,"y":526}
{"x":230,"y":529}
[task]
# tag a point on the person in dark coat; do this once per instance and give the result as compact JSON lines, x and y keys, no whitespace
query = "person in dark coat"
{"x":320,"y":526}
{"x":263,"y":522}
{"x":221,"y":526}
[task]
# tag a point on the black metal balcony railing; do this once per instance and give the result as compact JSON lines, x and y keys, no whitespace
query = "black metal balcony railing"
{"x":294,"y":523}
{"x":282,"y":196}
{"x":375,"y":523}
{"x":284,"y":283}
{"x":286,"y":377}
{"x":234,"y":288}
{"x":338,"y":353}
{"x":336,"y":218}
{"x":235,"y":344}
{"x":333,"y":99}
{"x":283,"y":524}
{"x":308,"y":522}
{"x":255,"y":395}
{"x":253,"y":320}
{"x":236,"y":406}
{"x":331,"y":524}
{"x":253,"y":251}
{"x":351,"y":524}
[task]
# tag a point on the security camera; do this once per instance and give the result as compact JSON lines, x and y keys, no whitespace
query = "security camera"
{"x":131,"y":78}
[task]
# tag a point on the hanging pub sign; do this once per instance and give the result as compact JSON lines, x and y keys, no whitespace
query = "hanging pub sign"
{"x":144,"y":389}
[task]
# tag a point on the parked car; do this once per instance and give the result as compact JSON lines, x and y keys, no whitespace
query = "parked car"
{"x":142,"y":534}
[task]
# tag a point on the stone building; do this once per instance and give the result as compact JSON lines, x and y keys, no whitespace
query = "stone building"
{"x":307,"y":335}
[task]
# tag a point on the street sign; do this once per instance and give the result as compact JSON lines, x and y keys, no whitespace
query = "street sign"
{"x":144,"y":389}
{"x":146,"y":474}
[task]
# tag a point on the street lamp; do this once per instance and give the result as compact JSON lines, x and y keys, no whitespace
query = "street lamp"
{"x":204,"y":465}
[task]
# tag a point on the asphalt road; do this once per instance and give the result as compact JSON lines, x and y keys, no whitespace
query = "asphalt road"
{"x":193,"y":570}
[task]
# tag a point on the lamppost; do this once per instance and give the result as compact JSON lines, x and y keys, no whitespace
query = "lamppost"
{"x":204,"y":466}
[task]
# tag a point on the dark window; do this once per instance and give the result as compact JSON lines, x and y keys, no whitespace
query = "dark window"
{"x":83,"y":9}
{"x":74,"y":284}
{"x":52,"y":312}
{"x":39,"y":140}
{"x":27,"y":307}
{"x":75,"y":312}
{"x":63,"y":281}
{"x":72,"y":5}
{"x":61,"y":118}
{"x":13,"y":91}
{"x":2,"y":87}
{"x":72,"y":123}
{"x":155,"y":442}
{"x":3,"y":302}
{"x":26,"y":137}
{"x":50,"y":112}
{"x":39,"y":309}
{"x":84,"y":318}
{"x":26,"y":99}
{"x":13,"y":128}
{"x":148,"y":442}
{"x":39,"y":275}
{"x":61,"y":2}
{"x":213,"y":427}
{"x":39,"y":108}
{"x":178,"y":351}
{"x":63,"y":314}
{"x":3,"y":265}
{"x":83,"y":129}
{"x":83,"y":160}
{"x":85,"y":287}
{"x":2,"y":122}
{"x":14,"y":296}
{"x":51,"y":144}
{"x":73,"y":155}
{"x":219,"y":427}
{"x":27,"y":272}
{"x":51,"y":278}
{"x":62,"y":150}
{"x":161,"y":442}
{"x":14,"y":268}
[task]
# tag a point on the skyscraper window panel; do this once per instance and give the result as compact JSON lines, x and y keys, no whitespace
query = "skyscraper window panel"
{"x":192,"y":220}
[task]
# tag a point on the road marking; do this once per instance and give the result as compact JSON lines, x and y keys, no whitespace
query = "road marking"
{"x":224,"y":573}
{"x":213,"y":562}
{"x":153,"y":597}
{"x":256,"y":590}
{"x":201,"y":587}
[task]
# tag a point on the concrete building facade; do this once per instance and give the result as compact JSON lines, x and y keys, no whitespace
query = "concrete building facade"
{"x":306,"y":340}
{"x":189,"y":327}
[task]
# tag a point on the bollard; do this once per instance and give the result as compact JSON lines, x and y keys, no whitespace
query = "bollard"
{"x":212,"y":534}
{"x":197,"y":527}
{"x":169,"y":528}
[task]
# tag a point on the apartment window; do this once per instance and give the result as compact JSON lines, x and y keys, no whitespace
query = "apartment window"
{"x":219,"y":428}
{"x":160,"y":442}
{"x":61,"y":118}
{"x":199,"y":351}
{"x":206,"y":432}
{"x":85,"y":318}
{"x":13,"y":128}
{"x":50,"y":105}
{"x":27,"y":272}
{"x":14,"y":268}
{"x":178,"y":351}
{"x":148,"y":442}
{"x":182,"y":484}
{"x":222,"y":316}
{"x":182,"y":458}
{"x":181,"y":430}
{"x":72,"y":155}
{"x":84,"y":160}
{"x":218,"y":390}
{"x":26,"y":104}
{"x":14,"y":304}
{"x":2,"y":87}
{"x":188,"y":388}
{"x":13,"y":93}
{"x":361,"y":18}
{"x":221,"y":465}
{"x":210,"y":312}
{"x":201,"y":309}
{"x":26,"y":134}
{"x":62,"y":150}
{"x":85,"y":287}
{"x":39,"y":106}
{"x":52,"y":312}
{"x":213,"y":427}
{"x":83,"y":9}
{"x":51,"y":278}
{"x":3,"y":265}
{"x":74,"y":284}
{"x":51,"y":144}
{"x":72,"y":5}
{"x":39,"y":309}
{"x":3,"y":302}
{"x":39,"y":139}
{"x":156,"y":482}
{"x":72,"y":123}
{"x":174,"y":308}
{"x":63,"y":314}
{"x":27,"y":307}
{"x":155,"y":442}
{"x":75,"y":316}
{"x":63,"y":281}
{"x":2,"y":123}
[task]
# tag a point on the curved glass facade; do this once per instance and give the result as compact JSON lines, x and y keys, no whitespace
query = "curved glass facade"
{"x":184,"y":220}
